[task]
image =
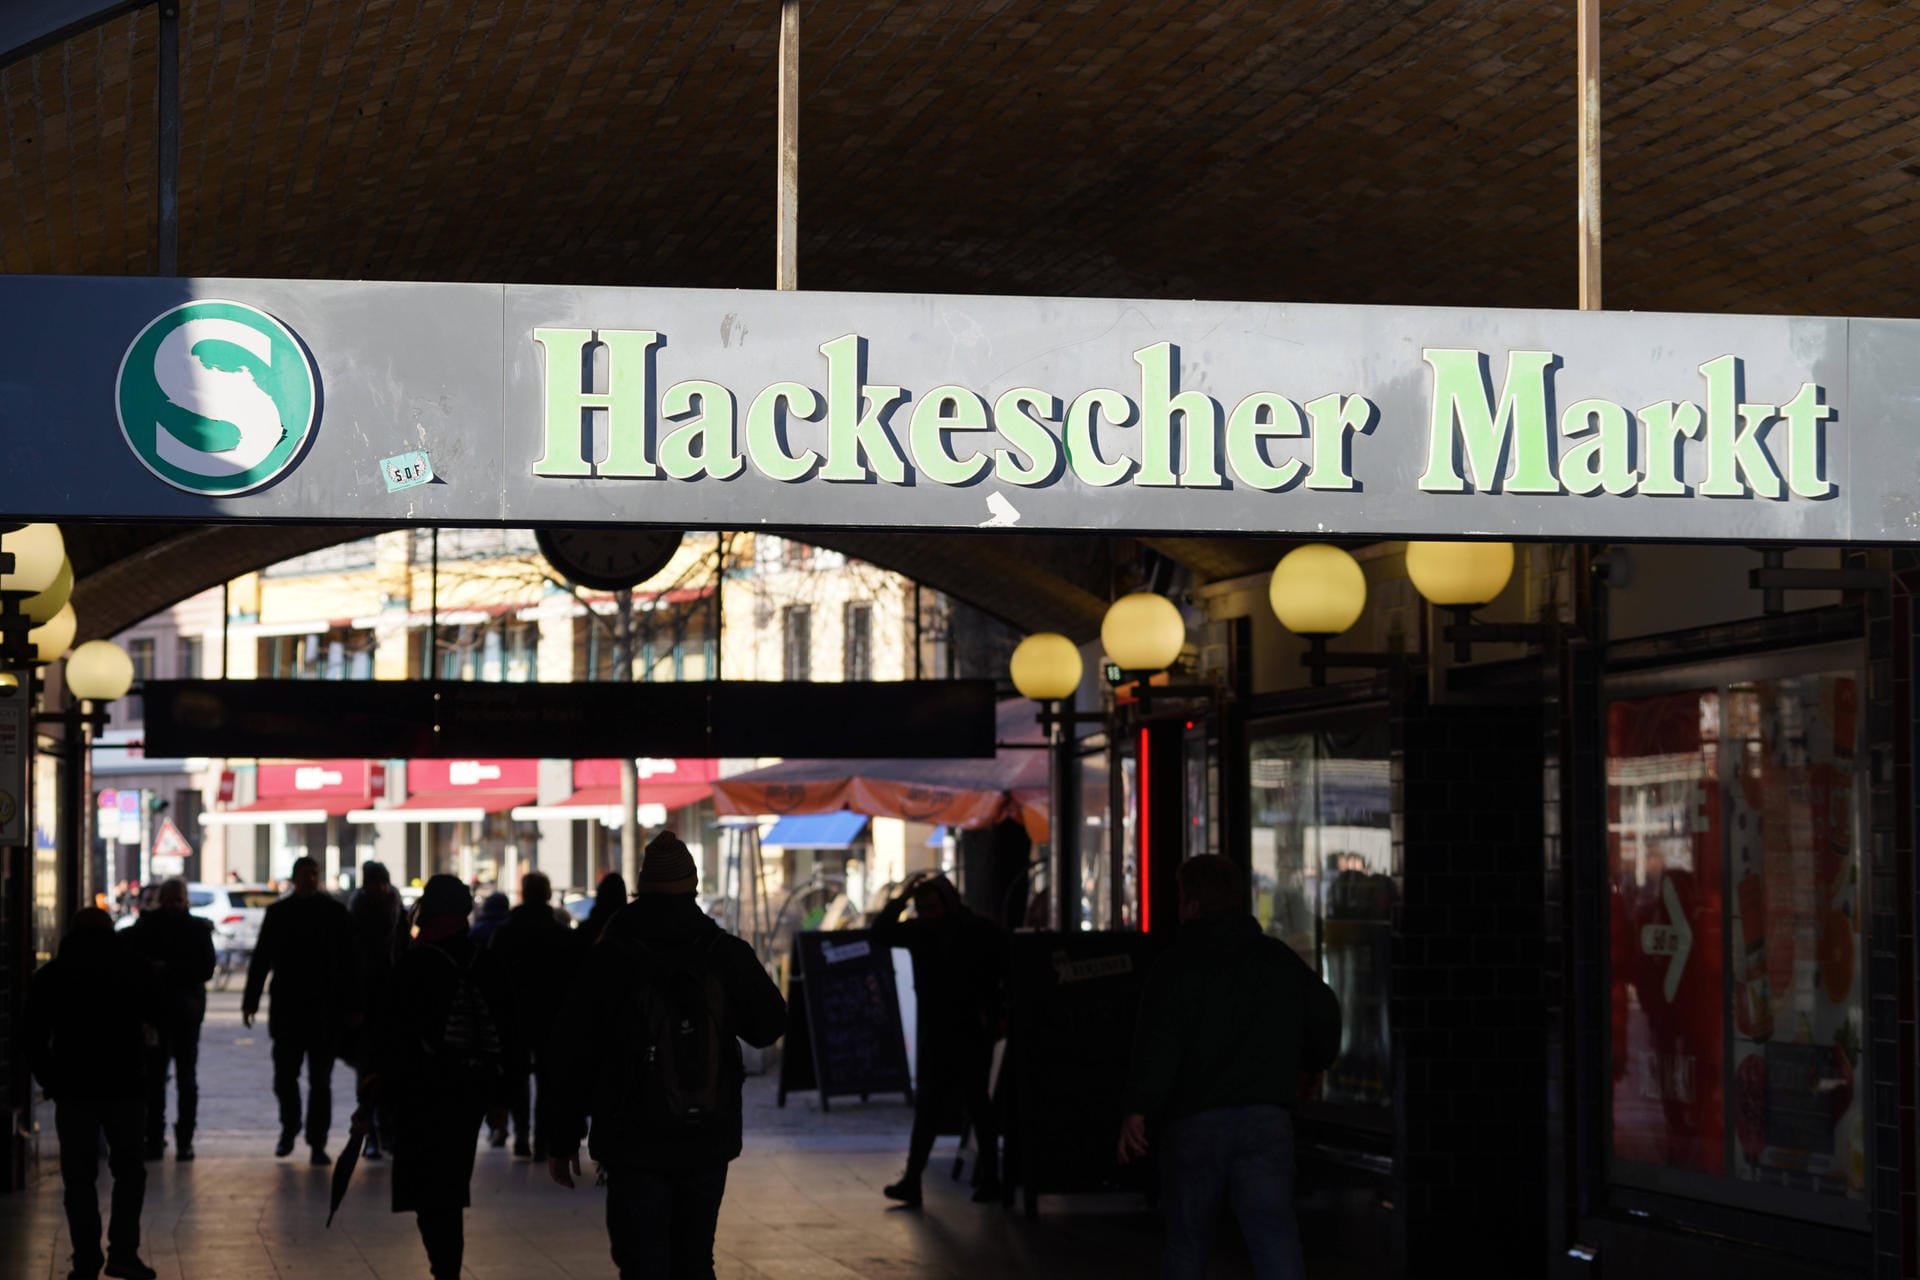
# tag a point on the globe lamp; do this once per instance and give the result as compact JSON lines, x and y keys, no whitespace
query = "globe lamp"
{"x":1143,"y":632}
{"x":38,"y":552}
{"x":99,"y":671}
{"x":50,"y":642}
{"x":8,"y":680}
{"x":1459,"y":575}
{"x":42,"y":607}
{"x":1317,"y":590}
{"x":1046,"y":667}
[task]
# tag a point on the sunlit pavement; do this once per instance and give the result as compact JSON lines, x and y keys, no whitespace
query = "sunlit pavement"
{"x":803,"y":1202}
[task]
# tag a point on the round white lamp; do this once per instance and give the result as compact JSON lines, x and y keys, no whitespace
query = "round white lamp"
{"x":38,"y":552}
{"x":1317,"y":590}
{"x":51,"y":640}
{"x":1046,"y":667}
{"x":1460,"y":575}
{"x":1143,"y":632}
{"x":99,"y":671}
{"x":42,"y":607}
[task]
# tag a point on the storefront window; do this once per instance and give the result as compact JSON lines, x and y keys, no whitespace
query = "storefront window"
{"x":1323,"y":881}
{"x":1733,"y":856}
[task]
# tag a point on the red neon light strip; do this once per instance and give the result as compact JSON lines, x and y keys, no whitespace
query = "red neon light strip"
{"x":1146,"y":881}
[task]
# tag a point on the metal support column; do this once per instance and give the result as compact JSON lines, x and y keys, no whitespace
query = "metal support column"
{"x":1064,"y":826}
{"x":786,"y":258}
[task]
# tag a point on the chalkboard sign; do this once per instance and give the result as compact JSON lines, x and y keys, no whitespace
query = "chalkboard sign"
{"x":843,"y":1020}
{"x":1075,"y":997}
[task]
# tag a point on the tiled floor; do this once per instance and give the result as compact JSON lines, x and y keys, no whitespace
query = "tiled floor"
{"x":804,"y":1202}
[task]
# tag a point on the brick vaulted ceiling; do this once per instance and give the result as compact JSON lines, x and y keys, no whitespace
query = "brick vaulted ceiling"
{"x":1760,"y":156}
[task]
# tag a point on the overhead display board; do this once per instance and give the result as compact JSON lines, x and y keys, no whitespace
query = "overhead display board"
{"x":234,"y":400}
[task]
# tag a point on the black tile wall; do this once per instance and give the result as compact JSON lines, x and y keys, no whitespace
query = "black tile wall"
{"x":1468,"y":1002}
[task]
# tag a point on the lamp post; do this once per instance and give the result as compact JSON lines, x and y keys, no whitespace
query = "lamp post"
{"x":98,"y":672}
{"x":1318,"y":591}
{"x":1461,"y":577}
{"x":1143,"y":634}
{"x":1047,"y":668}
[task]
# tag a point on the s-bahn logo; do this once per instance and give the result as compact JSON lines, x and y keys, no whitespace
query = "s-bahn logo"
{"x":215,"y":398}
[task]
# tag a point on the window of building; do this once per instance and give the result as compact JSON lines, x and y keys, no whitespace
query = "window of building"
{"x":797,"y":637}
{"x":1322,"y":862}
{"x":1736,"y":976}
{"x":859,"y":640}
{"x":189,"y":658}
{"x":340,"y":653}
{"x":141,"y":651}
{"x":496,"y":650}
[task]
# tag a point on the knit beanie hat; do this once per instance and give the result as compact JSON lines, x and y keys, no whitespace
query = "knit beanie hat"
{"x":668,"y":866}
{"x":444,"y":895}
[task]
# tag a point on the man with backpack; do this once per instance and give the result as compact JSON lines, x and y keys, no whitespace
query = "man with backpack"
{"x":438,"y":1068}
{"x":648,"y":1048}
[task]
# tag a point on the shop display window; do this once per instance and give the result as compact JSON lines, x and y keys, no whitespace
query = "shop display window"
{"x":1323,"y":881}
{"x":1734,"y":884}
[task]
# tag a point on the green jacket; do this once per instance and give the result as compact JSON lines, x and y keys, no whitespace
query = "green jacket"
{"x":1229,"y":1017}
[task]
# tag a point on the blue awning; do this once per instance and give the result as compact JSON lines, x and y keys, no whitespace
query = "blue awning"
{"x":817,"y":830}
{"x":938,"y":840}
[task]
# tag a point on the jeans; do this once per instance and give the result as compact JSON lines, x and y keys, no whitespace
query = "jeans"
{"x":288,"y":1053}
{"x":179,"y":1048}
{"x":79,"y":1124}
{"x":661,"y":1224}
{"x":1242,"y":1155}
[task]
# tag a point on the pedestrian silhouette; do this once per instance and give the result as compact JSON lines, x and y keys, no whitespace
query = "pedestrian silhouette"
{"x":306,"y":943}
{"x":1231,"y":1023}
{"x":380,"y":934}
{"x":88,"y":1029}
{"x":608,"y":900}
{"x":959,"y":977}
{"x":437,"y":1068}
{"x":648,"y":1050}
{"x":540,"y":956}
{"x":493,"y":914}
{"x":178,"y":948}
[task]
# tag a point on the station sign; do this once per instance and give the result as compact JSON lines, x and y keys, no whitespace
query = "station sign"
{"x":238,"y":400}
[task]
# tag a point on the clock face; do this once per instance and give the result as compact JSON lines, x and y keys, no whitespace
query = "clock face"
{"x":608,"y":559}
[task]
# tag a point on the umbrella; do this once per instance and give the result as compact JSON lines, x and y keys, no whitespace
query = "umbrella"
{"x":955,"y":793}
{"x":343,"y":1168}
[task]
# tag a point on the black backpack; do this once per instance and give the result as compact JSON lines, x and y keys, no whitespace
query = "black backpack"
{"x":672,"y":1030}
{"x":468,"y":1040}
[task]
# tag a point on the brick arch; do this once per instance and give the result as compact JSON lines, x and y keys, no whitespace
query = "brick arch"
{"x":1036,"y":583}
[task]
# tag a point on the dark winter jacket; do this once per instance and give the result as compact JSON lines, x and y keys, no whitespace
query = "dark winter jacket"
{"x":307,"y":945}
{"x":178,"y":948}
{"x":1229,"y":1017}
{"x":959,"y":975}
{"x":594,"y":1045}
{"x":436,"y":1096}
{"x":380,"y":934}
{"x":540,"y":956}
{"x":608,"y":901}
{"x":87,"y":1014}
{"x":493,"y":914}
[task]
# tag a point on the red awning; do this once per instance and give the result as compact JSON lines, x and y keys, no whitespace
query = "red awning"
{"x":295,"y":809}
{"x":459,"y":804}
{"x":587,"y":803}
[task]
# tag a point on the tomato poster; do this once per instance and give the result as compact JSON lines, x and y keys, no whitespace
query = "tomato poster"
{"x":1733,"y":855}
{"x":1664,"y":859}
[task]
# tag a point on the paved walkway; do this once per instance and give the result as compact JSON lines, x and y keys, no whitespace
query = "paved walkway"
{"x":804,"y":1203}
